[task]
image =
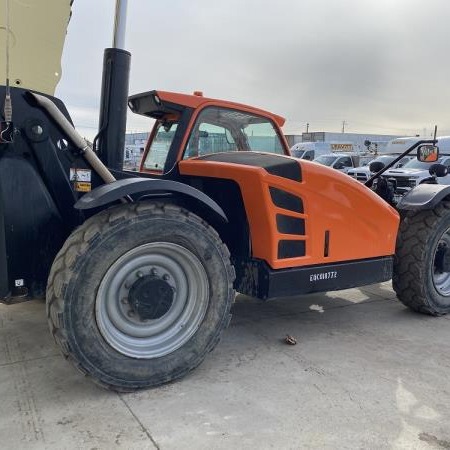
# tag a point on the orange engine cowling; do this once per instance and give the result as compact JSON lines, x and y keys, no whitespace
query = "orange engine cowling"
{"x":302,"y":213}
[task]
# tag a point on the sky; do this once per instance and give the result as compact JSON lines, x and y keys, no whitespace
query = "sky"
{"x":382,"y":66}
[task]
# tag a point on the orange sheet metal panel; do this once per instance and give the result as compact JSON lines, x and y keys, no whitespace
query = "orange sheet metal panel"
{"x":360,"y":224}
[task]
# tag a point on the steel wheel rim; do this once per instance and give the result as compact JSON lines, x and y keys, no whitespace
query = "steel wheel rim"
{"x":152,"y":338}
{"x":441,"y":280}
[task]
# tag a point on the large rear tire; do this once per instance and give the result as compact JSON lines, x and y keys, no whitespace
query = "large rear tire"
{"x":139,"y":294}
{"x":421,"y":275}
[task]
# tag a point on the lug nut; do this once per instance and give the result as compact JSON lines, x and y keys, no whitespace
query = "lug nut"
{"x":166,"y":277}
{"x":124,"y":301}
{"x":139,"y":274}
{"x":154,"y":272}
{"x":130,"y":313}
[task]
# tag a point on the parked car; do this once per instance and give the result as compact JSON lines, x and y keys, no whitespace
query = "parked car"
{"x":343,"y":161}
{"x":363,"y":173}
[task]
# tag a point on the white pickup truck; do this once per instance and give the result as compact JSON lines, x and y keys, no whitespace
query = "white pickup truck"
{"x":363,"y":173}
{"x":414,"y":173}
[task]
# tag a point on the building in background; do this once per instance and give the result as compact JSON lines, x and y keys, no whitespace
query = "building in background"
{"x":378,"y":142}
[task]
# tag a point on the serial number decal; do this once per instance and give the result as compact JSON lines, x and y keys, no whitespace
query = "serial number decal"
{"x":323,"y":276}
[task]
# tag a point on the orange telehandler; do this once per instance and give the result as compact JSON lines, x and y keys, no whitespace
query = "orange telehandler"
{"x":140,"y":270}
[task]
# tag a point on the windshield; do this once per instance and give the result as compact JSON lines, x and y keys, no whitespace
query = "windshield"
{"x":226,"y":130}
{"x":159,"y":149}
{"x":297,"y":153}
{"x":326,"y":160}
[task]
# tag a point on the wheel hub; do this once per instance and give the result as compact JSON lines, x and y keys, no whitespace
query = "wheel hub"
{"x":151,"y":297}
{"x":152,"y":300}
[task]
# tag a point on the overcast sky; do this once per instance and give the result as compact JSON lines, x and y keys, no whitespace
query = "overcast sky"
{"x":383,"y":66}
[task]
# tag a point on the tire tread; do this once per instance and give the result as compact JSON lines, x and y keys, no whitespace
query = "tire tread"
{"x":410,"y":259}
{"x":65,"y":265}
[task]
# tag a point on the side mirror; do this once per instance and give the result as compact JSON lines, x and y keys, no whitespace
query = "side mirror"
{"x":376,"y":166}
{"x":438,"y":170}
{"x":339,"y":166}
{"x":427,"y":153}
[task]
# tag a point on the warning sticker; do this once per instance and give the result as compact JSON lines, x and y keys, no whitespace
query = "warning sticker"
{"x":82,"y":187}
{"x":83,"y":175}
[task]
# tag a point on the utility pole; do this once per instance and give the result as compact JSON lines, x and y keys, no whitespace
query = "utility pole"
{"x":307,"y":127}
{"x":343,"y":125}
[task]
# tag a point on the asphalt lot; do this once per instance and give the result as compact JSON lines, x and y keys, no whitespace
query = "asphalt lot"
{"x":366,"y":373}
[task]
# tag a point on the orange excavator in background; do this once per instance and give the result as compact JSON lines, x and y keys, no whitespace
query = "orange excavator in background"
{"x":140,"y":270}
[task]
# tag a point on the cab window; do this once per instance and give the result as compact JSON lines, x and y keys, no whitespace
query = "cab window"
{"x":309,"y":155}
{"x":346,"y":162}
{"x":207,"y":138}
{"x":226,"y":130}
{"x":160,"y":146}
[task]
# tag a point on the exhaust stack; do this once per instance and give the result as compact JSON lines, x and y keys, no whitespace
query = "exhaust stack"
{"x":114,"y":95}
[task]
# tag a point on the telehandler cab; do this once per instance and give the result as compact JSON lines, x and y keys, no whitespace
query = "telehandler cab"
{"x":140,"y":271}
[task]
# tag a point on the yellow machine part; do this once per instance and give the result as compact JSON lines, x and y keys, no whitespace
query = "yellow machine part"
{"x":37,"y":33}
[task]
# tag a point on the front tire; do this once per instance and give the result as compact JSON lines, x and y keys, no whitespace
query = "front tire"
{"x":421,"y":275}
{"x":139,"y":294}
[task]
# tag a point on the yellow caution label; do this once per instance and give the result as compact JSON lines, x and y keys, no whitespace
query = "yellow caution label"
{"x":82,"y":187}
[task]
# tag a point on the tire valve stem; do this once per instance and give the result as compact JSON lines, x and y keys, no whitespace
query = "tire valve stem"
{"x":124,"y":301}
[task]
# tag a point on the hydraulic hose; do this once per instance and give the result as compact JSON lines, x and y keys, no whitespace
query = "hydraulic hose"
{"x":79,"y":142}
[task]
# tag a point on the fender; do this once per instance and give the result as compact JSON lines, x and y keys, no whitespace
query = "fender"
{"x":117,"y":190}
{"x":424,"y":196}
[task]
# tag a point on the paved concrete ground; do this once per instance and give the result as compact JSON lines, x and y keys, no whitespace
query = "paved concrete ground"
{"x":365,"y":374}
